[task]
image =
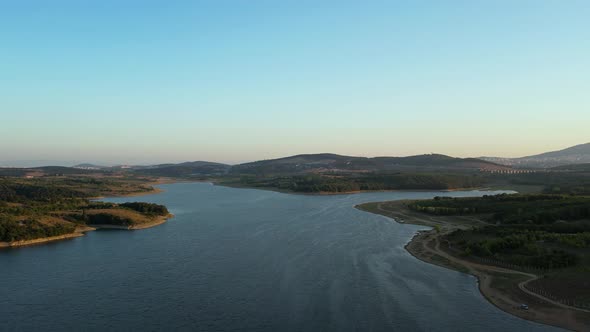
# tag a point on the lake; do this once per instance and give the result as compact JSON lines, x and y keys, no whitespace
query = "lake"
{"x":245,"y":260}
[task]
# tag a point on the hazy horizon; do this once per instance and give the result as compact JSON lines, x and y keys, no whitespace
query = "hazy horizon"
{"x":73,"y":162}
{"x":147,"y":82}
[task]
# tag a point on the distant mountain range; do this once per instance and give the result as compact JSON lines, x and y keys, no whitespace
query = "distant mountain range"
{"x":299,"y":164}
{"x":34,"y":163}
{"x":43,"y":170}
{"x":318,"y":163}
{"x":328,"y":162}
{"x":89,"y":166}
{"x":578,"y":154}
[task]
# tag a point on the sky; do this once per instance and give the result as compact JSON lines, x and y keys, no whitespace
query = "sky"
{"x":115,"y":81}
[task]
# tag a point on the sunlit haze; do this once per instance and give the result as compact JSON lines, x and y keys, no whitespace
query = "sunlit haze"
{"x":234,"y":81}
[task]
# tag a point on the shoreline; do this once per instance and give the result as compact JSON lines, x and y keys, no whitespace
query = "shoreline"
{"x":333,"y":193}
{"x":215,"y":182}
{"x":504,"y":288}
{"x":157,"y":221}
{"x":80,"y":231}
{"x":133,"y":194}
{"x":154,"y":190}
{"x":151,"y":183}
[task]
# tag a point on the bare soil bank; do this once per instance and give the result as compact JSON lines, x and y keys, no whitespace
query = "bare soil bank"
{"x":81,"y":230}
{"x":503,"y":287}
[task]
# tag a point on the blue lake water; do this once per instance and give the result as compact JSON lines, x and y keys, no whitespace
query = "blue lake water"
{"x":245,"y":260}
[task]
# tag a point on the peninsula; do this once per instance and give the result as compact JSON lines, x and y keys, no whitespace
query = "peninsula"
{"x":530,"y":253}
{"x":50,"y":206}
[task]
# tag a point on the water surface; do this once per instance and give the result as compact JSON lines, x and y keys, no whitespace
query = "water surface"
{"x":245,"y":260}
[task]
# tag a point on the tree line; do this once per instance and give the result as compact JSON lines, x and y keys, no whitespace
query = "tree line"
{"x":316,"y":183}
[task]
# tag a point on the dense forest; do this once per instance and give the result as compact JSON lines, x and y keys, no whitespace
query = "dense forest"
{"x":523,"y":247}
{"x":511,"y":209}
{"x":29,"y":229}
{"x":540,"y":231}
{"x":338,"y":183}
{"x":146,"y":208}
{"x":575,"y":181}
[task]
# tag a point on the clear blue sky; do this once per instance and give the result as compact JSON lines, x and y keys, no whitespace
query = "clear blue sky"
{"x":231,"y":81}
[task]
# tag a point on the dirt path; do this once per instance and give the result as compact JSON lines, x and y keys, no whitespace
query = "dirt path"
{"x":472,"y":267}
{"x":501,"y":286}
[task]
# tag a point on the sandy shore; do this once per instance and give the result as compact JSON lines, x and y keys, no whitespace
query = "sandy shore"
{"x":503,"y":287}
{"x":77,"y":233}
{"x":157,"y":221}
{"x":81,"y":230}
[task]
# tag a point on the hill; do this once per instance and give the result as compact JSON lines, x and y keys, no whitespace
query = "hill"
{"x":89,"y":166}
{"x":578,"y":154}
{"x":577,"y":150}
{"x":187,"y":169}
{"x":574,"y":168}
{"x":182,"y":170}
{"x":326,"y":162}
{"x":42,"y":171}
